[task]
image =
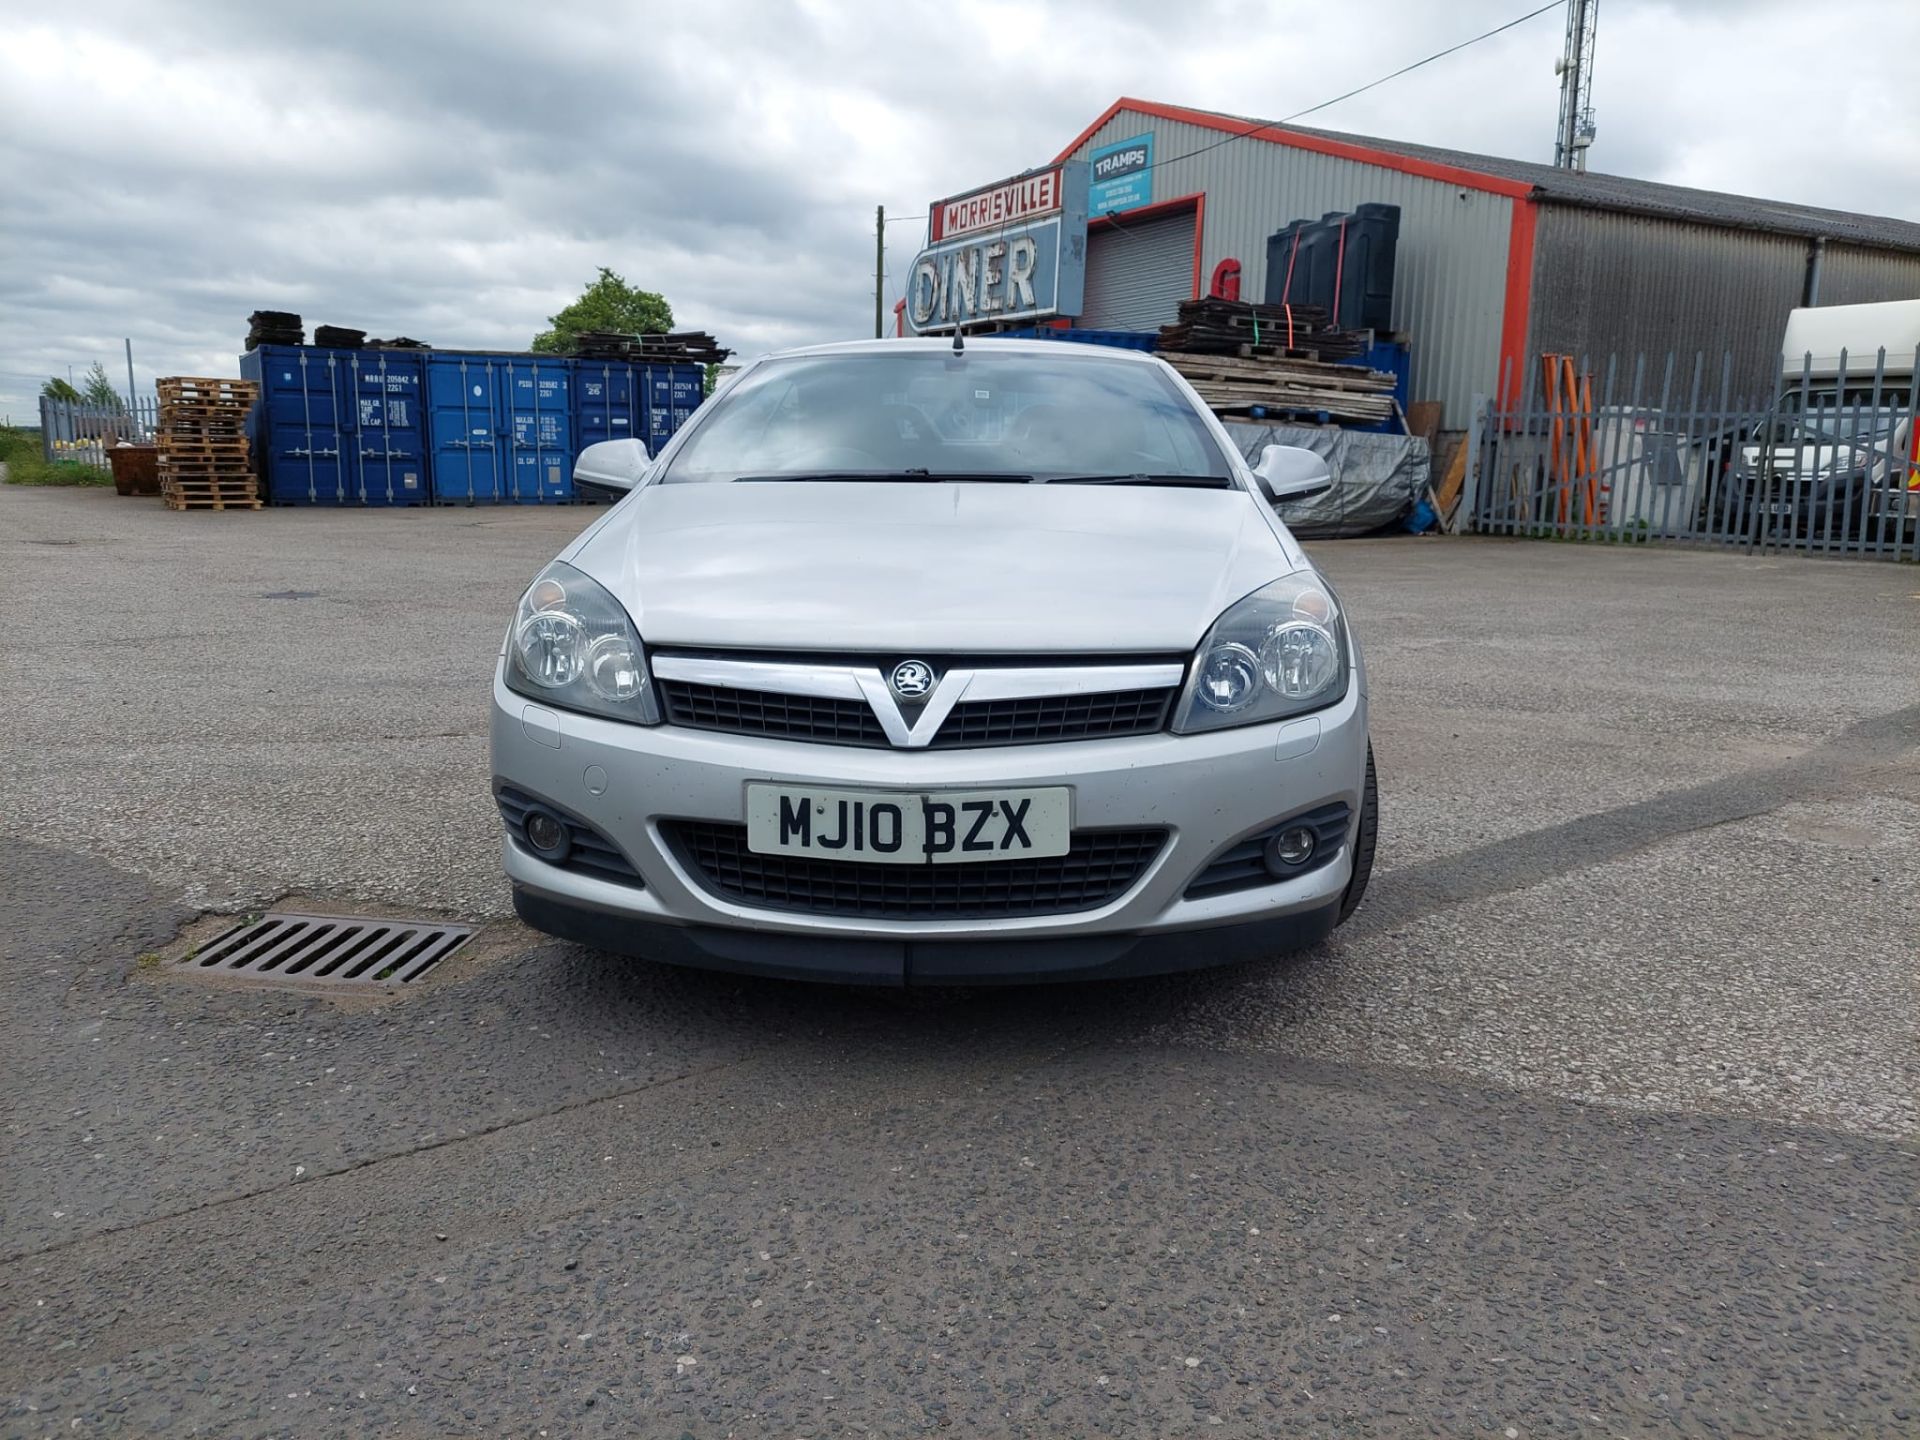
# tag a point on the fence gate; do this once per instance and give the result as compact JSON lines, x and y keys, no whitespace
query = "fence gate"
{"x":73,"y":430}
{"x":1644,"y":450}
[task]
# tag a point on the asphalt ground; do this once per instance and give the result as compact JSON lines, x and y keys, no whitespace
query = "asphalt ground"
{"x":1599,"y":1118}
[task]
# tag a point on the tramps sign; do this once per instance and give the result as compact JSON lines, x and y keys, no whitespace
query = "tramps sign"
{"x":1013,"y":251}
{"x":1122,"y":176}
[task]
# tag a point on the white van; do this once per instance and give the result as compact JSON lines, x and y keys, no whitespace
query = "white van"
{"x":1839,"y":451}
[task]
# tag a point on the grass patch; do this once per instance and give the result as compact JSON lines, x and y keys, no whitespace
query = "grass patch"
{"x":149,"y":960}
{"x":20,"y":452}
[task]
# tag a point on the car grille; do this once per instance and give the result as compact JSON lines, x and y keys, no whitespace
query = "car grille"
{"x":1101,"y":866}
{"x":1055,"y":717}
{"x":1243,"y":865}
{"x":1028,"y":721}
{"x":589,"y":853}
{"x":766,"y":712}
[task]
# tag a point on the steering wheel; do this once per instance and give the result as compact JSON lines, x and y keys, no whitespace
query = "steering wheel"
{"x":904,"y":424}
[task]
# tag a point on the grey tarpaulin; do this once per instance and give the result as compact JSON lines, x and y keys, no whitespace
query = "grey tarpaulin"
{"x":1376,"y":478}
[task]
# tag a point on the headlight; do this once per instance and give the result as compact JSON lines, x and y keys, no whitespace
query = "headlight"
{"x":573,"y":646}
{"x":1281,"y":651}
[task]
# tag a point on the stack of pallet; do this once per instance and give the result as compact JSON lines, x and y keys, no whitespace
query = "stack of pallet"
{"x":683,"y":347}
{"x":203,"y":444}
{"x":1213,"y":326}
{"x":696,"y":346}
{"x":274,"y":327}
{"x":1309,"y":390}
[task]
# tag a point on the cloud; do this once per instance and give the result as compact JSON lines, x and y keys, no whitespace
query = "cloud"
{"x":457,"y":173}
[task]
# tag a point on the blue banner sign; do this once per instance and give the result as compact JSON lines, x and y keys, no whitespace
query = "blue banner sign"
{"x":1122,"y":176}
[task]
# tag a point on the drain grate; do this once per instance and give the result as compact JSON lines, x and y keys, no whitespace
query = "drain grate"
{"x":329,"y":949}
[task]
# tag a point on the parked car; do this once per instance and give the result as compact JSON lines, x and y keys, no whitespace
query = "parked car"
{"x":1839,"y":455}
{"x":912,"y":663}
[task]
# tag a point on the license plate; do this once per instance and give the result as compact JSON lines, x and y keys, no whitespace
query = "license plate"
{"x":1779,"y":507}
{"x":940,"y":827}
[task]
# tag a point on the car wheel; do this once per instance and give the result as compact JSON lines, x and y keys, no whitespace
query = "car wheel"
{"x":1363,"y":844}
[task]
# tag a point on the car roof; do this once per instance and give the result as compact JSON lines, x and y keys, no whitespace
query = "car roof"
{"x":1067,"y":350}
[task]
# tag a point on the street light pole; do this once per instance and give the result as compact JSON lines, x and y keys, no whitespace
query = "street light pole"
{"x":879,"y":268}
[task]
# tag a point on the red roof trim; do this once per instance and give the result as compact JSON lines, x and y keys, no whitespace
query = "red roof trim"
{"x":1278,"y":135}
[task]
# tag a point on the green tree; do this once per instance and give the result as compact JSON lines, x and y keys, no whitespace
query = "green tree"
{"x":609,"y":303}
{"x":97,"y":390}
{"x":58,"y":389}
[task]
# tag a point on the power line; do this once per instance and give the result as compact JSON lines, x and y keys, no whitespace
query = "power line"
{"x":1257,"y":126}
{"x":1437,"y":55}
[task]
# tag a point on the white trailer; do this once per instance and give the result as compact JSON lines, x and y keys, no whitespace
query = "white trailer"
{"x":1842,"y":431}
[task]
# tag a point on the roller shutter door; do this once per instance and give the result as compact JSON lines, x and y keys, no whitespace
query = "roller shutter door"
{"x":1138,"y":274}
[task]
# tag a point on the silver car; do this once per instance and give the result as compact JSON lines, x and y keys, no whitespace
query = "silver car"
{"x":909,"y":663}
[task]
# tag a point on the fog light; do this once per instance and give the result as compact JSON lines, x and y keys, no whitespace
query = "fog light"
{"x":547,"y":836}
{"x":1290,"y":849}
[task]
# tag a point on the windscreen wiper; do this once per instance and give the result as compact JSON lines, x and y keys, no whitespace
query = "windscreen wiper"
{"x":801,"y":476}
{"x":920,"y":476}
{"x":1189,"y":482}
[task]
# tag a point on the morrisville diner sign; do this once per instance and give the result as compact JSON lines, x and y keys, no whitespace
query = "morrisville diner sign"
{"x":1016,"y":250}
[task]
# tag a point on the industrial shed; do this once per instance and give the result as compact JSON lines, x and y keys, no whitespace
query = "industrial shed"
{"x":1498,"y":259}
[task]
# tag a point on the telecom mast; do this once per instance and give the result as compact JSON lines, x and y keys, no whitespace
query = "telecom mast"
{"x":1575,"y":69}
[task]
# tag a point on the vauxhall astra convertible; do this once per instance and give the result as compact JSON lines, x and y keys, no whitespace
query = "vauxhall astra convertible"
{"x":916,"y":662}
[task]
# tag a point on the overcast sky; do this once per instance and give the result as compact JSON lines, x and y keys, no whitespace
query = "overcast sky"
{"x":457,"y":172}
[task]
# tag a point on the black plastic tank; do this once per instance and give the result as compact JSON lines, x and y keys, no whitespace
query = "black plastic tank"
{"x":1343,"y":263}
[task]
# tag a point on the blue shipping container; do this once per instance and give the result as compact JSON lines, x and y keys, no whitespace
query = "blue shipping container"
{"x":620,"y":399}
{"x":464,"y":407}
{"x":337,"y":427}
{"x":501,"y":427}
{"x":540,"y":435}
{"x":1396,"y":359}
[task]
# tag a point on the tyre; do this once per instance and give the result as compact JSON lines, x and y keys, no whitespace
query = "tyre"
{"x":1364,"y":842}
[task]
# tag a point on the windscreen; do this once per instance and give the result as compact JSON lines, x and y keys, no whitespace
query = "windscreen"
{"x":1829,"y":419}
{"x":979,"y":414}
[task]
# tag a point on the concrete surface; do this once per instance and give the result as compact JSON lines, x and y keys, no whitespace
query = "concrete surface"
{"x":1598,"y":1119}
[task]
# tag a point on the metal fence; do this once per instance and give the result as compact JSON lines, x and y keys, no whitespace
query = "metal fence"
{"x":1659,"y":450}
{"x":73,"y":430}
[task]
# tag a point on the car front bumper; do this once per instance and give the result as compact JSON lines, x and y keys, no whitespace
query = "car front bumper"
{"x":1207,"y":791}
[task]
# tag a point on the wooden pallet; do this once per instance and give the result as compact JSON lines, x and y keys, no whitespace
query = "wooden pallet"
{"x":210,"y":492}
{"x":184,"y":412}
{"x":1286,"y":375}
{"x":177,"y":501}
{"x":202,"y":420}
{"x":1327,"y":370}
{"x":194,"y":417}
{"x":1287,"y":386}
{"x":1233,"y":327}
{"x":224,"y":481}
{"x":221,"y":449}
{"x":1277,"y":352}
{"x":207,"y":390}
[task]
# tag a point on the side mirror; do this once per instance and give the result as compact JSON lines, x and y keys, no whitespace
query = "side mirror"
{"x":1286,"y":472}
{"x":611,"y":467}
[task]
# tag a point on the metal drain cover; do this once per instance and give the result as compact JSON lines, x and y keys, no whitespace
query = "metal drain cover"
{"x":328,"y":950}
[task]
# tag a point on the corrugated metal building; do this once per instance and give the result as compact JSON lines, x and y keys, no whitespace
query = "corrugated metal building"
{"x":1498,"y":259}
